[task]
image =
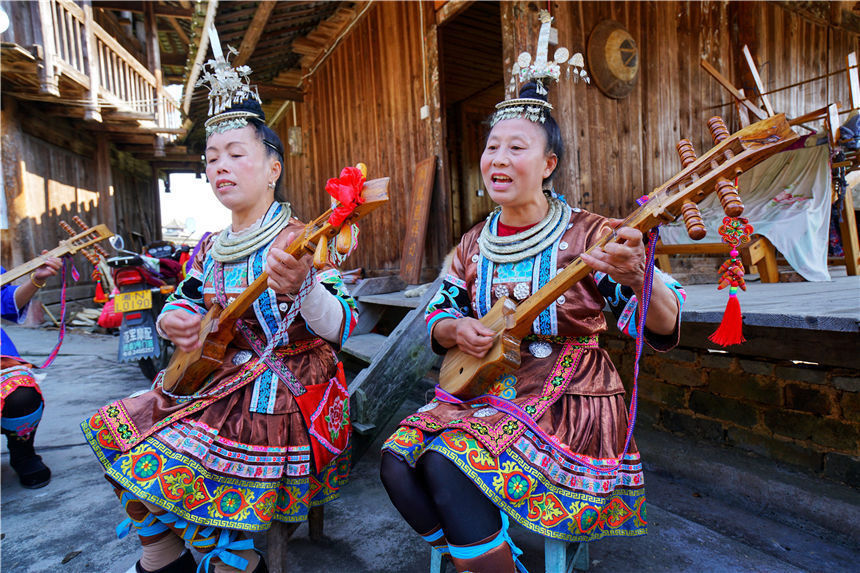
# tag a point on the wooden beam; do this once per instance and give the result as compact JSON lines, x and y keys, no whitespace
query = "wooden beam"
{"x":202,"y":47}
{"x":159,"y":9}
{"x":820,"y":113}
{"x":255,"y":30}
{"x":135,"y":129}
{"x":280,"y":92}
{"x":757,"y":79}
{"x":732,"y":89}
{"x":174,"y":23}
{"x":448,"y":10}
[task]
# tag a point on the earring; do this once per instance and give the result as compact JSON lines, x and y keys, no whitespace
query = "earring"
{"x":272,"y":185}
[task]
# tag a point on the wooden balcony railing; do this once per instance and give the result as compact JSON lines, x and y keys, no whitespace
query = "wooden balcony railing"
{"x":77,"y":48}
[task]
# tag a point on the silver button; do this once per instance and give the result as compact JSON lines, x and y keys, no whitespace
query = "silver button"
{"x":560,"y":300}
{"x":242,"y":357}
{"x":521,"y":291}
{"x":562,"y":245}
{"x":475,"y":258}
{"x":283,"y":307}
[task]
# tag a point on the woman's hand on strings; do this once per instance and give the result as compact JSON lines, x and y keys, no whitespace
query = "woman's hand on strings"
{"x":623,"y":260}
{"x":467,"y":334}
{"x":286,"y":273}
{"x":49,"y":268}
{"x":182,"y":328}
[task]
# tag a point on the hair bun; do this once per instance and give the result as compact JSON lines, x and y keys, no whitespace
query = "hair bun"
{"x":529,"y":90}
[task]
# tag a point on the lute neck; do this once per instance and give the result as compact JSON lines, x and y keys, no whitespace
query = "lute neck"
{"x":577,"y":270}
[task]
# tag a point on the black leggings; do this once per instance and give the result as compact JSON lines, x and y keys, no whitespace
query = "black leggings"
{"x":436,"y":492}
{"x":20,"y":402}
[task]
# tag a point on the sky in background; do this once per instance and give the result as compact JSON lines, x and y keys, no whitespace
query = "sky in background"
{"x":192,"y":204}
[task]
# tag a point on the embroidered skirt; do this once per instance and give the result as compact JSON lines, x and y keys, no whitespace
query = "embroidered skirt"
{"x":213,"y":461}
{"x":545,"y":475}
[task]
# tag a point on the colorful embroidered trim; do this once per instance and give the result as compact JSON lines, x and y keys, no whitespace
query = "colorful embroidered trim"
{"x":283,"y":373}
{"x":15,"y":377}
{"x":496,"y":437}
{"x":531,"y":489}
{"x":153,"y":472}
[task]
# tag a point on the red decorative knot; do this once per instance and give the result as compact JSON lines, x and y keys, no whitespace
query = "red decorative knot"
{"x":346,"y":189}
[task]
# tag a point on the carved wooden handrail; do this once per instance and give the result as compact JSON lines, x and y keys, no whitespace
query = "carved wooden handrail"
{"x":79,"y":48}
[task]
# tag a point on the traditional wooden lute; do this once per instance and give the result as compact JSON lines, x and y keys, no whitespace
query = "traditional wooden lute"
{"x":80,"y":242}
{"x":187,"y":371}
{"x":466,"y":376}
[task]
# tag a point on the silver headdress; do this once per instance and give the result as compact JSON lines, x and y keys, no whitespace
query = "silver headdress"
{"x":542,"y":71}
{"x":232,"y":99}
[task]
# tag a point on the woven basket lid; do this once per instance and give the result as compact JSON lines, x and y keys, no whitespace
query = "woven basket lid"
{"x":613,"y":59}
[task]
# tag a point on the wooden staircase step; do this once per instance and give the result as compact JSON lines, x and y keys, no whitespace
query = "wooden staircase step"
{"x":391,"y":299}
{"x":364,"y":346}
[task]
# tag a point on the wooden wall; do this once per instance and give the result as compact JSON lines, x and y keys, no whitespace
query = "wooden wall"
{"x":621,"y":149}
{"x":363,"y":102}
{"x":362,"y":105}
{"x":52,"y":172}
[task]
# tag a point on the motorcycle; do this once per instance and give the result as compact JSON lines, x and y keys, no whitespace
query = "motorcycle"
{"x":142,"y":282}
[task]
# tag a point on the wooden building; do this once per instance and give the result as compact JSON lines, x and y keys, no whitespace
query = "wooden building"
{"x":87,"y":124}
{"x":353,"y":88}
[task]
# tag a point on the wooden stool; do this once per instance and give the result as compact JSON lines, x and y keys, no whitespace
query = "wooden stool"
{"x":759,"y":253}
{"x":559,"y":557}
{"x":279,"y":533}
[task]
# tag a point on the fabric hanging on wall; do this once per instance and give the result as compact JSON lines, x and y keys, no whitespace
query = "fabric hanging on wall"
{"x":786,"y":199}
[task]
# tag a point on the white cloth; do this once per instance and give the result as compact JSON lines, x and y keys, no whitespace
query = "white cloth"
{"x":323,"y":313}
{"x":786,"y":199}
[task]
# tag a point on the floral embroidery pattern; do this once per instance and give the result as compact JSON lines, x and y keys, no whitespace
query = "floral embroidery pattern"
{"x":546,"y":494}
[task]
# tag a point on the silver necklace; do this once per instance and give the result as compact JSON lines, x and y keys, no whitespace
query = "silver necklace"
{"x":227,"y":249}
{"x":528,"y":243}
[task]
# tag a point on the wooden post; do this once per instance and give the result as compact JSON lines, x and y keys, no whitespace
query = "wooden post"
{"x":853,"y":79}
{"x":104,"y":183}
{"x":155,"y":206}
{"x":743,"y":114}
{"x":153,"y":62}
{"x":848,"y":227}
{"x":92,"y":110}
{"x":832,"y":123}
{"x":47,"y":73}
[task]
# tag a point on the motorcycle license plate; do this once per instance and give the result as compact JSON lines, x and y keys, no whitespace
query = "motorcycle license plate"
{"x":129,"y":301}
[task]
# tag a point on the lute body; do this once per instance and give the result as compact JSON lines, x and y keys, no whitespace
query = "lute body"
{"x":466,"y":376}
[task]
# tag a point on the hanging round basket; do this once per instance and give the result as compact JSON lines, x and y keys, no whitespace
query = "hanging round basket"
{"x":613,"y":59}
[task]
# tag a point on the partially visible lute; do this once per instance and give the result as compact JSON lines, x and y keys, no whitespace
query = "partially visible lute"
{"x":69,"y":246}
{"x":466,"y":376}
{"x":187,"y":371}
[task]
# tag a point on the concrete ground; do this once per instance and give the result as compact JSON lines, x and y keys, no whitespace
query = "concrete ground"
{"x":710,"y":508}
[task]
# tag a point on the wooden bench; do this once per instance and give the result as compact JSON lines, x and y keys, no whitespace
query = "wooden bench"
{"x":759,"y":253}
{"x":559,"y":557}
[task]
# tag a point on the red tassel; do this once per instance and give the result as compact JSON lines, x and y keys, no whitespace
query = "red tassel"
{"x":730,"y":330}
{"x":100,"y":297}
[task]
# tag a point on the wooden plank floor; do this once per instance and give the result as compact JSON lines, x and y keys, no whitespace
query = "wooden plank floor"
{"x":833,"y":305}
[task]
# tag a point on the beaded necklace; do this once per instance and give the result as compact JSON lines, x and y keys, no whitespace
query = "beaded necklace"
{"x":528,"y":243}
{"x":230,"y":247}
